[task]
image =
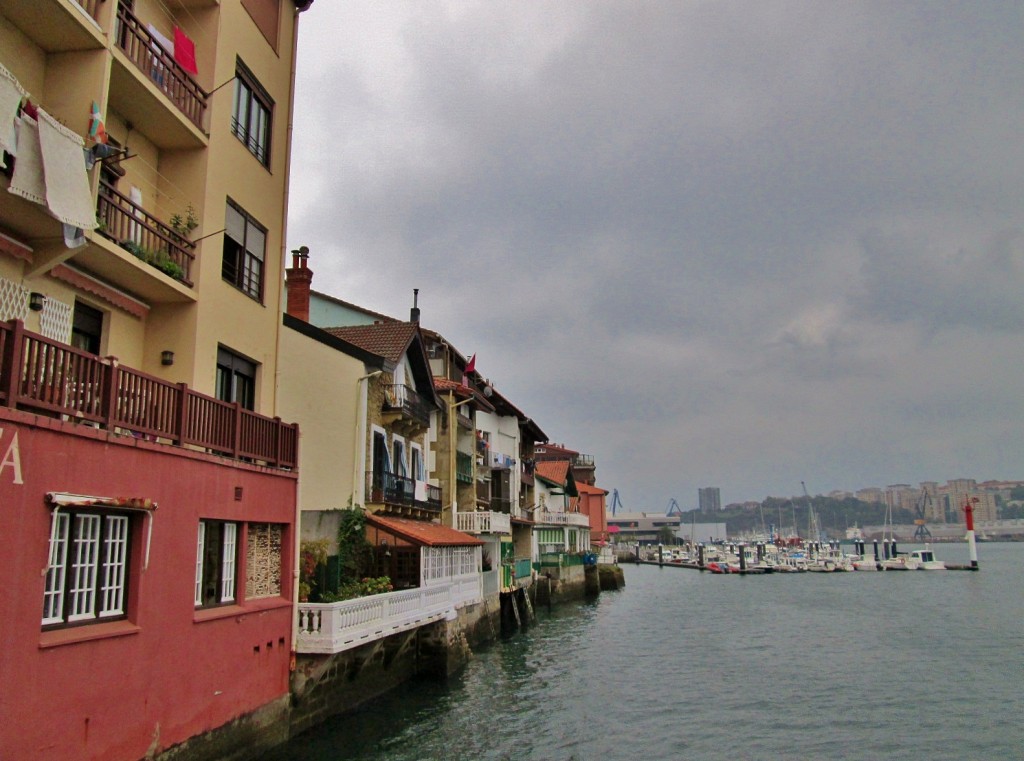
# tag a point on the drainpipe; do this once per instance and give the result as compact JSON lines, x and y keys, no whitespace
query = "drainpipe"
{"x":359,"y":448}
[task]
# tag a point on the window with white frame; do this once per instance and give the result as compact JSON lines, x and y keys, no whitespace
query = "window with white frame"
{"x":417,"y":470}
{"x":88,"y":568}
{"x":216,"y":563}
{"x":399,"y":459}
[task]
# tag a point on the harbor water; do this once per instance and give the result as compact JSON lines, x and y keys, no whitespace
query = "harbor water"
{"x":686,"y":665}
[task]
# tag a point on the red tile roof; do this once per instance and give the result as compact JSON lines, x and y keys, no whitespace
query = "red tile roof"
{"x":389,"y":340}
{"x":422,"y":532}
{"x":556,"y":471}
{"x":583,"y":488}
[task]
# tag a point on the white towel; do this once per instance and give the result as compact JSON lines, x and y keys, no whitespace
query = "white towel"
{"x":420,"y":494}
{"x":68,"y":196}
{"x":11,"y":95}
{"x":27,"y":180}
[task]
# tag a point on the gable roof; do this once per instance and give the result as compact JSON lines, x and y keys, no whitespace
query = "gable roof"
{"x":588,"y":489}
{"x":422,"y":532}
{"x":554,"y":471}
{"x":389,"y":340}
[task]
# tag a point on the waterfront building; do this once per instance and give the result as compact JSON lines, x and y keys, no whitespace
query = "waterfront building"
{"x":148,"y":481}
{"x":644,"y":528}
{"x":709,"y":499}
{"x":871,"y":494}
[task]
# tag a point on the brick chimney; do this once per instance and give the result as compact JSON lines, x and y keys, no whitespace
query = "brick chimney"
{"x":298,"y":279}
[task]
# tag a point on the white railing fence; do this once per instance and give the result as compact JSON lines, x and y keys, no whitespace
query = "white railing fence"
{"x":485,"y":522}
{"x":338,"y":626}
{"x":561,"y":519}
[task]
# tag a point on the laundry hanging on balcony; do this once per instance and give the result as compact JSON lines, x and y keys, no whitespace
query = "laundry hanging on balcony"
{"x":68,"y":195}
{"x":11,"y":95}
{"x":185,"y":52}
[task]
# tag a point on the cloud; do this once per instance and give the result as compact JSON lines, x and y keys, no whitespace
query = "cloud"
{"x":733,"y":244}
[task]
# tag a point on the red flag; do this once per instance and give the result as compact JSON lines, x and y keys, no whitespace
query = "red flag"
{"x":471,"y":365}
{"x":185,"y":51}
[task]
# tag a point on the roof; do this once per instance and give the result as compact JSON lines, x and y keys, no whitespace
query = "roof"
{"x":389,"y":340}
{"x":446,"y":385}
{"x":555,"y":471}
{"x":422,"y":532}
{"x":583,"y":488}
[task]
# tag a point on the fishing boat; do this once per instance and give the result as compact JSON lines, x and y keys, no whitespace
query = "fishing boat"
{"x":925,"y":560}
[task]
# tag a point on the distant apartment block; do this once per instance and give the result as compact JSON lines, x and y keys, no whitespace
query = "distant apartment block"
{"x":709,"y":499}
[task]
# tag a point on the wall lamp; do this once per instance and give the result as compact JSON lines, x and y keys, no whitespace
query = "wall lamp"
{"x":35,"y":301}
{"x":167,"y":357}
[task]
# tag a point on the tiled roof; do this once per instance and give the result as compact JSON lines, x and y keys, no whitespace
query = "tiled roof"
{"x":555,"y":471}
{"x":385,"y":339}
{"x":445,"y":385}
{"x":422,"y":532}
{"x":583,"y":488}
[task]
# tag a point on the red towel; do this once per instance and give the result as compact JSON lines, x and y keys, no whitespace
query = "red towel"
{"x":185,"y":51}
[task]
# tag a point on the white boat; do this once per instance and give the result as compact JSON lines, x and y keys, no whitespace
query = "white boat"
{"x":925,"y":560}
{"x":867,"y":564}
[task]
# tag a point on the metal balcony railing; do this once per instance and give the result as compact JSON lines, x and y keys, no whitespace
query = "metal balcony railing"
{"x":392,"y":489}
{"x":49,"y":377}
{"x":128,"y":224}
{"x":402,"y":398}
{"x":159,"y":65}
{"x":464,"y":467}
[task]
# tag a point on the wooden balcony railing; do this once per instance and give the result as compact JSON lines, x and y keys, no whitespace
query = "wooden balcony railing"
{"x":483,"y":522}
{"x":159,"y":65}
{"x":42,"y":375}
{"x":92,"y":7}
{"x":392,"y":489}
{"x":402,"y":398}
{"x":128,"y":224}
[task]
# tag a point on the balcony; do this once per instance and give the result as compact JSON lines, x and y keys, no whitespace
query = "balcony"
{"x":339,"y":626}
{"x":58,"y":25}
{"x":464,"y":467}
{"x":402,"y":494}
{"x":561,"y":519}
{"x":405,"y":410}
{"x":483,"y":522}
{"x":52,"y":378}
{"x":142,"y":100}
{"x":146,"y":237}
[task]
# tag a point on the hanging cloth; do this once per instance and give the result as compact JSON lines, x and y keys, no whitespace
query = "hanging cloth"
{"x":11,"y":95}
{"x":68,"y":196}
{"x":185,"y":52}
{"x":27,"y":180}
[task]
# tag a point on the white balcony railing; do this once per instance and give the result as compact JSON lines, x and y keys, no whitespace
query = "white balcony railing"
{"x":483,"y":522}
{"x":561,"y":519}
{"x":338,"y":626}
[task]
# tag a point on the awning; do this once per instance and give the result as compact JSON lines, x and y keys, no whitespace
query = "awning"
{"x":422,"y":532}
{"x":64,"y":499}
{"x":59,"y":499}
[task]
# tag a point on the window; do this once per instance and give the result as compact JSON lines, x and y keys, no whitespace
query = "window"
{"x":87,"y":571}
{"x":245,"y":243}
{"x":418,"y":472}
{"x":236,"y":379}
{"x":216,"y":559}
{"x":250,"y":120}
{"x":86,"y":328}
{"x":399,"y":458}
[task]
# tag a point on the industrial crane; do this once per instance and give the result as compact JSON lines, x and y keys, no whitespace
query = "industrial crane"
{"x":921,"y":532}
{"x":616,"y":502}
{"x":673,"y":507}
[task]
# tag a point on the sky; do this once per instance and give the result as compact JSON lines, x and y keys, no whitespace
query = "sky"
{"x":732,"y":244}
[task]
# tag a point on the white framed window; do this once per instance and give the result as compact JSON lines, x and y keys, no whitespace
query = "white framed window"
{"x":87,"y":569}
{"x":216,"y":563}
{"x":418,"y":471}
{"x":399,"y":460}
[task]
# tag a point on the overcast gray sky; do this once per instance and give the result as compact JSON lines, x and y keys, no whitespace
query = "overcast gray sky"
{"x":733,"y":244}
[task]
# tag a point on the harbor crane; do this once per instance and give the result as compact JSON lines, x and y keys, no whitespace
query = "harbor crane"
{"x":673,"y":507}
{"x":921,"y":531}
{"x":616,"y":502}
